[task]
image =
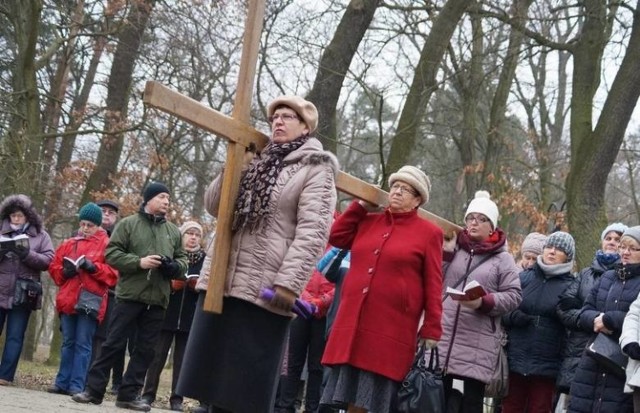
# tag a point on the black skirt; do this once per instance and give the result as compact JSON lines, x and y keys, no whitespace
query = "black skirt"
{"x":232,"y":360}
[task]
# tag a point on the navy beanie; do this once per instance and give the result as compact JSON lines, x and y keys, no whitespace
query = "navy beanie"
{"x":152,"y":190}
{"x":91,"y":212}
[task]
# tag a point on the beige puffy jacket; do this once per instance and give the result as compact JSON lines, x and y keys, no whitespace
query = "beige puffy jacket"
{"x":286,"y":247}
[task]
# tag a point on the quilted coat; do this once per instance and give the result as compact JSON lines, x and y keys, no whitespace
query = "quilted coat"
{"x":284,"y":250}
{"x":471,"y":338}
{"x":98,"y":283}
{"x":394,"y":276}
{"x":595,"y":389}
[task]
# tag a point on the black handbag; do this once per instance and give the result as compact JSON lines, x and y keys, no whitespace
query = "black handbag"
{"x":88,"y":303}
{"x":28,"y":294}
{"x":422,"y":389}
{"x":498,"y":386}
{"x":607,"y":353}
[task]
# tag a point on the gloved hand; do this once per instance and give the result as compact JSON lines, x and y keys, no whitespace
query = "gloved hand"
{"x":429,"y":343}
{"x":68,"y":270}
{"x":21,"y":251}
{"x":168,"y":267}
{"x":569,"y":303}
{"x":88,"y":266}
{"x":632,"y":350}
{"x":521,"y":319}
{"x":283,"y":298}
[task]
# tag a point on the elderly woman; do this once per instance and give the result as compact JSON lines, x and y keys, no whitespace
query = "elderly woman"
{"x":91,"y":274}
{"x":571,"y":301}
{"x":282,"y":219}
{"x":536,"y":334}
{"x":594,"y":388}
{"x":472,"y":330}
{"x":21,"y":262}
{"x":395,"y":276}
{"x":531,"y":248}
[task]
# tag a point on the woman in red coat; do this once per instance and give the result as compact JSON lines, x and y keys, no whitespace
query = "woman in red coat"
{"x":92,"y":274}
{"x":395,"y":276}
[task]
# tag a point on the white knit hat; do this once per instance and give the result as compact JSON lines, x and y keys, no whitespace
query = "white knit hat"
{"x":482,"y":204}
{"x":187,"y":225}
{"x":414,"y":177}
{"x":618,"y":227}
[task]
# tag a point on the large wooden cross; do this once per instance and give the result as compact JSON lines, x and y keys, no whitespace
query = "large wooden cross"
{"x":240,"y":135}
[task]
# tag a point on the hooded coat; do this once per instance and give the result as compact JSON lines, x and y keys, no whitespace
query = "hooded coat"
{"x":98,"y":283}
{"x":471,"y":339}
{"x":40,"y":248}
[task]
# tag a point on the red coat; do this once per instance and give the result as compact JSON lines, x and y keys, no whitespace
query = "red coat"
{"x":395,"y":275}
{"x":319,"y":291}
{"x":97,"y":283}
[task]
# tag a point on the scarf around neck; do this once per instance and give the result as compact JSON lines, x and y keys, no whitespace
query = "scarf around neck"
{"x":256,"y":185}
{"x":554,"y":269}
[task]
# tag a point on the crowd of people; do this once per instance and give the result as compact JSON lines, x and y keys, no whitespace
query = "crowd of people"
{"x":352,"y":296}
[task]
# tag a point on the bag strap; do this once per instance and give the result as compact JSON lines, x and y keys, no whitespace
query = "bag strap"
{"x":434,"y":354}
{"x":469,"y":271}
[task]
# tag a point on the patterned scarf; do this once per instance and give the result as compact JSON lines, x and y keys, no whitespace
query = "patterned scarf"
{"x":258,"y":182}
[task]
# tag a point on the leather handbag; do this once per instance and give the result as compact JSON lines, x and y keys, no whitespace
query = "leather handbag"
{"x":607,"y":353}
{"x":88,"y":303}
{"x":498,"y":386}
{"x":422,"y":390}
{"x":28,"y":294}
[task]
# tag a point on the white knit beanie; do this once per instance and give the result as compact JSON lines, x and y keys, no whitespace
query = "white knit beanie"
{"x":187,"y":225}
{"x":414,"y":177}
{"x":482,"y":204}
{"x":618,"y":227}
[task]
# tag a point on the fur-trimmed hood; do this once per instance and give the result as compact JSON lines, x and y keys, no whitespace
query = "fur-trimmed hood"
{"x":22,"y":202}
{"x":312,"y":153}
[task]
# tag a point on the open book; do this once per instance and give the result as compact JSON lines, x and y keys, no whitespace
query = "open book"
{"x":75,"y":263}
{"x":7,"y":243}
{"x":470,"y":292}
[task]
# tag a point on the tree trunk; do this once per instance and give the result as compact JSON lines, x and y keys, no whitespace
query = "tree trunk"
{"x":593,"y":152}
{"x":424,"y":83}
{"x":118,"y":92}
{"x":334,"y":64}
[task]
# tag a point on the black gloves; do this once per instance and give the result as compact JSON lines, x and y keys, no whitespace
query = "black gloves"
{"x":569,"y":303}
{"x":521,"y":319}
{"x":21,"y":251}
{"x":632,"y":350}
{"x":88,"y":266}
{"x":68,"y":270}
{"x":168,"y":267}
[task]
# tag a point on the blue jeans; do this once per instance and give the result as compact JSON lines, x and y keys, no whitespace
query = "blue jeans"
{"x":17,"y":319}
{"x":75,"y":354}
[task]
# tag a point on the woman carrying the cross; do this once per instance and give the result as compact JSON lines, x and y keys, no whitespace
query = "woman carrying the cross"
{"x":282,"y":218}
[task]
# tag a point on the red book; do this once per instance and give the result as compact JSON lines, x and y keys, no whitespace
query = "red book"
{"x":470,"y":292}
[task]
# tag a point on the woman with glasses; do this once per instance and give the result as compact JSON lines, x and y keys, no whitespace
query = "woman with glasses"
{"x":594,"y":387}
{"x":394,"y":277}
{"x":472,"y":330}
{"x":79,"y":264}
{"x":535,"y":332}
{"x":571,"y":301}
{"x":281,"y":223}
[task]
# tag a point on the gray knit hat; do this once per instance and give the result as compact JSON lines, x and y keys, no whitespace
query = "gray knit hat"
{"x":618,"y":227}
{"x":564,"y":242}
{"x":534,"y":242}
{"x":633,"y":232}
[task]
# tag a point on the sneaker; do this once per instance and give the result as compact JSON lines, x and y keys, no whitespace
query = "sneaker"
{"x":85,"y":397}
{"x":57,"y":390}
{"x":138,"y":405}
{"x":4,"y":382}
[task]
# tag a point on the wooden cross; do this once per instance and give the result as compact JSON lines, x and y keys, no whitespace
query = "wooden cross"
{"x":240,"y":135}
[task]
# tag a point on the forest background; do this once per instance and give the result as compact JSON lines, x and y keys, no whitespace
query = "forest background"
{"x":531,"y":100}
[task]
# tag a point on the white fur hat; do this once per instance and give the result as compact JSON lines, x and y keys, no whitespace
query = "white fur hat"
{"x":414,"y":177}
{"x":482,"y":204}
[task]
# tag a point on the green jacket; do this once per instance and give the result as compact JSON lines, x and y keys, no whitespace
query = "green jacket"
{"x":137,"y":236}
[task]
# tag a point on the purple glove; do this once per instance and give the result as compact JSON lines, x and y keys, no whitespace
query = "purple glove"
{"x":302,"y":308}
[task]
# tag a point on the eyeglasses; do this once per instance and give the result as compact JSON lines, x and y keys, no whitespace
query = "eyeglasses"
{"x":478,"y":218}
{"x":623,"y":248}
{"x":286,"y":117}
{"x":403,"y":189}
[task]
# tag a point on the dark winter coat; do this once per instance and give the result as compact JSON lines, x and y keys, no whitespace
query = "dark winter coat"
{"x":595,"y":389}
{"x":569,"y":308}
{"x":536,"y":334}
{"x":40,"y":248}
{"x":182,"y":303}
